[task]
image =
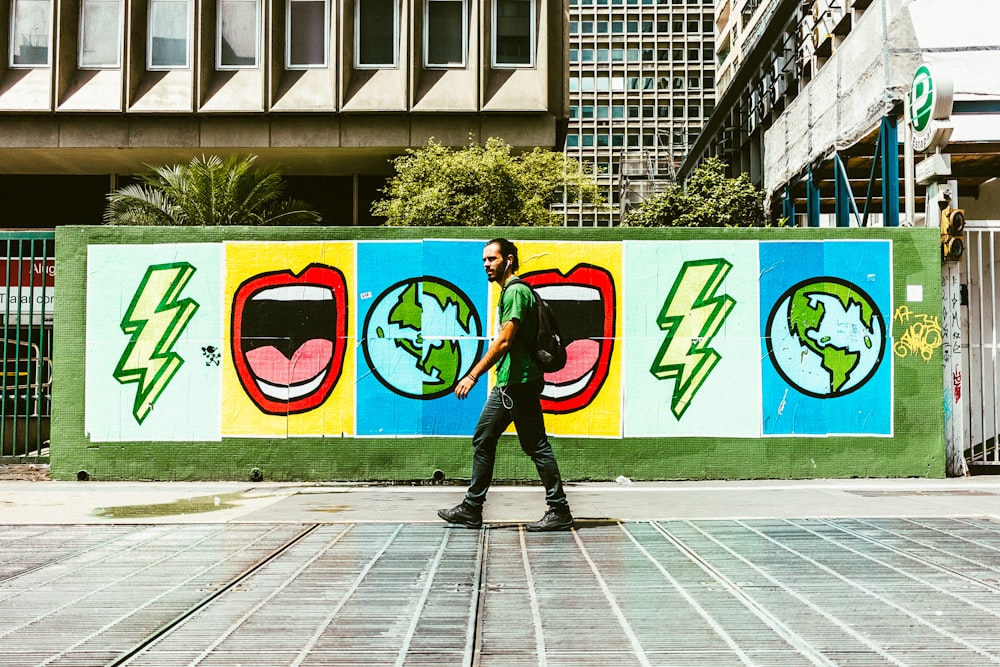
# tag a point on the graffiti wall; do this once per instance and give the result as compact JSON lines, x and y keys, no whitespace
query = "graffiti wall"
{"x":334,"y":358}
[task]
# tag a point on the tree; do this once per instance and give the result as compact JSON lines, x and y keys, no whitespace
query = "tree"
{"x":707,"y":199}
{"x":208,"y":191}
{"x":482,"y":185}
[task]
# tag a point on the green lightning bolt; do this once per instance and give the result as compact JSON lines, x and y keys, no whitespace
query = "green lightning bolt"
{"x":691,"y":316}
{"x":155,"y":319}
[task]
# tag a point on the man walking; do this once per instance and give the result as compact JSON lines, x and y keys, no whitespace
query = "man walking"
{"x":514,"y":398}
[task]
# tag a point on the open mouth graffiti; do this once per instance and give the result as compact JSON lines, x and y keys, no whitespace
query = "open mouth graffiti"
{"x":289,"y":336}
{"x":584,"y":304}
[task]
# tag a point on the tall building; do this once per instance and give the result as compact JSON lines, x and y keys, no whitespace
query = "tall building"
{"x":93,"y":90}
{"x":641,"y":82}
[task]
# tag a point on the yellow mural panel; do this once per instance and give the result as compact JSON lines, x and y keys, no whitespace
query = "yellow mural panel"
{"x":290,"y":367}
{"x":582,"y":282}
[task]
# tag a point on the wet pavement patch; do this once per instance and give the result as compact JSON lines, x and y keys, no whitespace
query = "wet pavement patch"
{"x":195,"y":505}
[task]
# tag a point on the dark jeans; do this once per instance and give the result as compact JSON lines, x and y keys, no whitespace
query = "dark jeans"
{"x":520,"y":404}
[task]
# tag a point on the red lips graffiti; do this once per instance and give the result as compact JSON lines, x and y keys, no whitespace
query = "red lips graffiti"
{"x":584,"y":303}
{"x":289,"y":337}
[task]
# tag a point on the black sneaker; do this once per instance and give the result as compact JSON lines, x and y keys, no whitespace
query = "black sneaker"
{"x":554,"y":519}
{"x":463,"y":515}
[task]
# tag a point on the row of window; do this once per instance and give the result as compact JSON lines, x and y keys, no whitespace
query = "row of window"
{"x":170,"y":33}
{"x":699,"y":3}
{"x":618,"y":140}
{"x":620,"y":55}
{"x":587,"y":84}
{"x":626,"y":27}
{"x":621,"y":111}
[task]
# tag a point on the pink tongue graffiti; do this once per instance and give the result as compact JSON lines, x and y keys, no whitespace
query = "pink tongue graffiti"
{"x":581,"y":356}
{"x":270,"y":365}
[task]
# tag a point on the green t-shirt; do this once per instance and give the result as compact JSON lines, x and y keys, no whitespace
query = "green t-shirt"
{"x":517,"y":302}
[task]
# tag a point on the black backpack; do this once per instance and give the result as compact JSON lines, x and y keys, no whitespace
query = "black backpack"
{"x":547,"y":350}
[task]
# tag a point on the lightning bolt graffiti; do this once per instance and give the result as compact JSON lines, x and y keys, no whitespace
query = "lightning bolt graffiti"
{"x":691,"y":317}
{"x":155,"y":320}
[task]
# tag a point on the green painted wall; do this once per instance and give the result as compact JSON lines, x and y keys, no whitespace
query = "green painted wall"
{"x":741,"y":421}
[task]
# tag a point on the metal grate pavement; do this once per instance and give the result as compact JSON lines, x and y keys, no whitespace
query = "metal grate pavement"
{"x":761,"y":592}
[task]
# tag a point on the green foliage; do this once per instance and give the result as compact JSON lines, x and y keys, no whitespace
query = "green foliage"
{"x":707,"y":199}
{"x":481,"y":186}
{"x":208,"y":191}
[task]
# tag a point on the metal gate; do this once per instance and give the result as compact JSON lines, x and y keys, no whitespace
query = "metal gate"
{"x":979,"y":347}
{"x":28,"y":273}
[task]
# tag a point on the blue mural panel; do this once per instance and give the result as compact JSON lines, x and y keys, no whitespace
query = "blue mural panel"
{"x":421,"y":327}
{"x":824,"y":337}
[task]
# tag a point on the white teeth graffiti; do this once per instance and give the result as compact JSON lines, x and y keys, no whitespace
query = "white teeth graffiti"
{"x":294,"y":293}
{"x":292,"y":391}
{"x":568,"y":293}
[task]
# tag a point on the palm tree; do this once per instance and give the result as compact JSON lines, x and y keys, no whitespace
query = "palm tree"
{"x":208,"y":191}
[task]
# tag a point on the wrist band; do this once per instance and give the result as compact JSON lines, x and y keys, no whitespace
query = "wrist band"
{"x":472,"y":377}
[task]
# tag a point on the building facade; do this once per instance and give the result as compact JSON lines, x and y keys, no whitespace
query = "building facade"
{"x":93,"y":90}
{"x":642,"y":80}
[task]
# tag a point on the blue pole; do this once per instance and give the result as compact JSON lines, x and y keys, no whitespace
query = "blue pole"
{"x":841,"y":194}
{"x":889,"y":136}
{"x":812,"y":200}
{"x":788,"y":207}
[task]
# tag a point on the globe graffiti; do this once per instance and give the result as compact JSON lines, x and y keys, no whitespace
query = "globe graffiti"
{"x":421,"y":336}
{"x":826,"y":337}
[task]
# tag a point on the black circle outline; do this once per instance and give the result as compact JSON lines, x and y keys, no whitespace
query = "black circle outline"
{"x":364,"y":339}
{"x":787,"y":294}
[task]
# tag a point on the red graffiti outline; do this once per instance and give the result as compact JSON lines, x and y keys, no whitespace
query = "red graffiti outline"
{"x":319,"y":275}
{"x":599,"y":278}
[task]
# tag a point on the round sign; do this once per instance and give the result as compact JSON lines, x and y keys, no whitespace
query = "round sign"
{"x":930,"y":102}
{"x":921,"y":98}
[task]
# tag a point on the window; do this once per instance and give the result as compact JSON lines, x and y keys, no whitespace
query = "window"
{"x":376,"y":34}
{"x":100,"y":34}
{"x":445,"y":35}
{"x":169,"y":34}
{"x":572,"y":140}
{"x":306,"y":34}
{"x":514,"y":33}
{"x":239,"y":30}
{"x":30,"y":28}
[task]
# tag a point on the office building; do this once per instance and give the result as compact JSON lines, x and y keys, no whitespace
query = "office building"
{"x":93,"y":90}
{"x":641,"y":83}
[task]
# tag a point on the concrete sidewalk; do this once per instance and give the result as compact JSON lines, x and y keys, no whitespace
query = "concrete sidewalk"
{"x":56,"y":502}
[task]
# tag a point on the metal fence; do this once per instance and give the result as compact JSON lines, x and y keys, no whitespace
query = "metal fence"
{"x":981,"y":264}
{"x":28,"y":275}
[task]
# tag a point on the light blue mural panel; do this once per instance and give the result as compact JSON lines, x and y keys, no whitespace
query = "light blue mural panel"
{"x":826,"y":366}
{"x":692,"y":341}
{"x":420,"y":314}
{"x":154,"y":342}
